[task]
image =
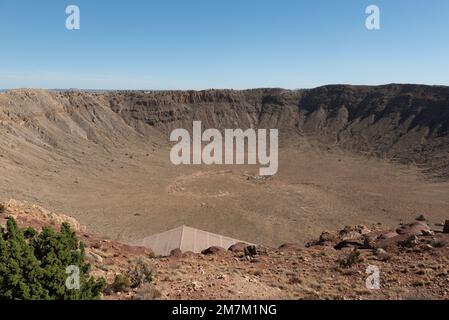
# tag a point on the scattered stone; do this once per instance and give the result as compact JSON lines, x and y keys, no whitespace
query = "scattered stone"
{"x":222,"y":277}
{"x":257,"y":178}
{"x":196,"y":286}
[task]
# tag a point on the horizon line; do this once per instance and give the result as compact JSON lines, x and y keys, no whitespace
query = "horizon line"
{"x":226,"y":88}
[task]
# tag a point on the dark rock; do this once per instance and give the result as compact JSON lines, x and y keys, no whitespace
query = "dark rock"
{"x":446,"y":227}
{"x":214,"y":250}
{"x":326,"y":239}
{"x":428,"y":233}
{"x":176,"y":253}
{"x":421,"y":217}
{"x":360,"y":244}
{"x":252,"y":251}
{"x":238,"y":248}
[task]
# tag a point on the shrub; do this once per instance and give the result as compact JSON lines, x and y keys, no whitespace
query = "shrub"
{"x":410,"y":242}
{"x":351,"y":259}
{"x":138,"y":276}
{"x":121,"y":283}
{"x":140,"y":273}
{"x":33,"y":265}
{"x":147,"y":292}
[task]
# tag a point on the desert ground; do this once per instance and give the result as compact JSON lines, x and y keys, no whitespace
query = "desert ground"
{"x":127,"y":195}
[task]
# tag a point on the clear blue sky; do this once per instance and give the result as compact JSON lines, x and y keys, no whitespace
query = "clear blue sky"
{"x":197,"y":44}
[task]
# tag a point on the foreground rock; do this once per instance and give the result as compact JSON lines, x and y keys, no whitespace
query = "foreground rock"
{"x":214,"y":251}
{"x":238,"y":248}
{"x":416,"y":228}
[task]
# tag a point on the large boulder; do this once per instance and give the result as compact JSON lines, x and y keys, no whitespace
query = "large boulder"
{"x":214,"y":251}
{"x":327,"y":239}
{"x":176,"y":253}
{"x":418,"y":228}
{"x":238,"y":248}
{"x":373,"y":239}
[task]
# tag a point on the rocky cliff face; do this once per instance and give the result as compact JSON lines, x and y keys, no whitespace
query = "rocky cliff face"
{"x":215,"y":108}
{"x":407,"y":123}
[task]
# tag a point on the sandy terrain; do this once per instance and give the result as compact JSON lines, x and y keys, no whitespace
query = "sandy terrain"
{"x":128,"y":199}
